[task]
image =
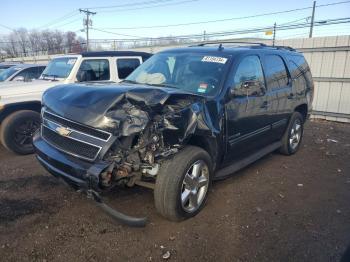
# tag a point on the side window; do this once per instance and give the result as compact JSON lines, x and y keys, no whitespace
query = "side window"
{"x":125,"y":66}
{"x":93,"y":70}
{"x":29,"y":73}
{"x":248,"y":70}
{"x":276,"y":72}
{"x":300,"y":71}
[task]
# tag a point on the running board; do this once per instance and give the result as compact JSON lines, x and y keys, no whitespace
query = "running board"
{"x":229,"y":170}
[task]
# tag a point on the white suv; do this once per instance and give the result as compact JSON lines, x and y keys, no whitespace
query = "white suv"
{"x":20,"y":103}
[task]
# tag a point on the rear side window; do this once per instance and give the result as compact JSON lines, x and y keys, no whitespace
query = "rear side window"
{"x":276,"y":72}
{"x":126,"y":66}
{"x":93,"y":70}
{"x":299,"y":67}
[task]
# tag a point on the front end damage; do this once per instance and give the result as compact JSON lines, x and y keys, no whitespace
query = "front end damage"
{"x":98,"y":137}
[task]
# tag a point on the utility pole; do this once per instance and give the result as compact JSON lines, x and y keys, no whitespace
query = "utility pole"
{"x":312,"y":19}
{"x":204,"y":35}
{"x":274,"y":34}
{"x":87,"y":22}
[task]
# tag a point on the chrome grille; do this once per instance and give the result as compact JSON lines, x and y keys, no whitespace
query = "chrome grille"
{"x":77,"y":139}
{"x":69,"y":145}
{"x":76,"y":126}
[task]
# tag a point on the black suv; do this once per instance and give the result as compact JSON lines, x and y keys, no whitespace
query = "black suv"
{"x":185,"y":117}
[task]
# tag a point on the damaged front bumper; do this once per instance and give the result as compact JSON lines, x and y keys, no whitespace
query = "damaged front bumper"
{"x":81,"y":175}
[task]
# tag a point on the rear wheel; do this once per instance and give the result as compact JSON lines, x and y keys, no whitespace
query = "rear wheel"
{"x":17,"y":131}
{"x":292,"y":138}
{"x":183,"y":183}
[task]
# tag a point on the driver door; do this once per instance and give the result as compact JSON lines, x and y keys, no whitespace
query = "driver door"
{"x":247,"y":112}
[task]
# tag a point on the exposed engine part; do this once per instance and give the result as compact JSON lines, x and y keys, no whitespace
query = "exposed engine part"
{"x":106,"y":179}
{"x":151,"y":171}
{"x":149,"y":157}
{"x":169,"y":152}
{"x":106,"y":176}
{"x":123,"y":171}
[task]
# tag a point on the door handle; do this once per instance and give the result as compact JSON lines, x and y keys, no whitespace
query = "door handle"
{"x":264,"y":104}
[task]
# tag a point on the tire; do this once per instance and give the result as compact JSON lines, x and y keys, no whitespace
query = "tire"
{"x":17,"y":131}
{"x":293,"y":136}
{"x":171,"y":186}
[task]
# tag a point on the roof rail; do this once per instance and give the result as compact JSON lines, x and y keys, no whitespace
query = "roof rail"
{"x":220,"y":43}
{"x":228,"y":42}
{"x":284,"y":47}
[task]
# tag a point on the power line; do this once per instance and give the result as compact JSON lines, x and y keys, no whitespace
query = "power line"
{"x":70,"y":22}
{"x":60,"y":19}
{"x":8,"y":28}
{"x":150,"y":6}
{"x":242,"y":31}
{"x":131,"y":4}
{"x":226,"y":19}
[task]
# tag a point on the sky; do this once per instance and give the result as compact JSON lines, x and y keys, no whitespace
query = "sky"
{"x":64,"y":15}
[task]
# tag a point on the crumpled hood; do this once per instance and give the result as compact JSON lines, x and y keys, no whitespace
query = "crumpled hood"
{"x":129,"y":107}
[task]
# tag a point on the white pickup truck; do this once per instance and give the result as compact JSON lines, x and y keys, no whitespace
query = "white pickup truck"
{"x":20,"y":103}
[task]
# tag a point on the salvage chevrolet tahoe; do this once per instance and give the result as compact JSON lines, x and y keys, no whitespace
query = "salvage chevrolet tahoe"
{"x":185,"y":117}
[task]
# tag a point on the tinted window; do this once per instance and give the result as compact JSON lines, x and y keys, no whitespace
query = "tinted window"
{"x":276,"y":73}
{"x":93,"y":70}
{"x":31,"y":73}
{"x":300,"y":71}
{"x":5,"y":74}
{"x":248,"y":70}
{"x":125,"y":66}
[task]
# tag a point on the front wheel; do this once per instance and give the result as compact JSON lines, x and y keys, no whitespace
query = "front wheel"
{"x":17,"y":131}
{"x":183,"y":183}
{"x":293,"y":136}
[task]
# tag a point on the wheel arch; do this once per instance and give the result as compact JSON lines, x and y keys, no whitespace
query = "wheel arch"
{"x":208,"y":144}
{"x":11,"y":108}
{"x":303,"y":110}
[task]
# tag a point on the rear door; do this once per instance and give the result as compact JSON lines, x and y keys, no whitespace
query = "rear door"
{"x":247,"y":113}
{"x":279,"y":92}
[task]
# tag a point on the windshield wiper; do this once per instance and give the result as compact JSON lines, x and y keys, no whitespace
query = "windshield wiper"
{"x":130,"y":81}
{"x":162,"y":85}
{"x":47,"y":75}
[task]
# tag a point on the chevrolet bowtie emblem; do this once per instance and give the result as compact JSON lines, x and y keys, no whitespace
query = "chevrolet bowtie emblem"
{"x":63,"y":131}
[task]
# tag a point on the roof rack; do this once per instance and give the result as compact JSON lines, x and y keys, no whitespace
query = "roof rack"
{"x":229,"y":42}
{"x":220,"y":43}
{"x":284,"y":47}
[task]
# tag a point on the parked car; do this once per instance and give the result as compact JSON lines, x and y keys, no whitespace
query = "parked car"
{"x":20,"y":103}
{"x":5,"y":65}
{"x":183,"y":118}
{"x":22,"y":72}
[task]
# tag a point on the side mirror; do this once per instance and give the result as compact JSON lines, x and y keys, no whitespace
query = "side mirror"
{"x":19,"y":78}
{"x":248,"y":88}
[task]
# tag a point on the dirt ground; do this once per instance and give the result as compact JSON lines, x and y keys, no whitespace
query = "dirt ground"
{"x":278,"y":209}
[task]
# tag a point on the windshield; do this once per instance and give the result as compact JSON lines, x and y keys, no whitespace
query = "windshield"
{"x":192,"y":72}
{"x":59,"y":67}
{"x":5,"y":74}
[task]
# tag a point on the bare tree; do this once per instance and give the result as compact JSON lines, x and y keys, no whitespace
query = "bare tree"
{"x":22,"y":38}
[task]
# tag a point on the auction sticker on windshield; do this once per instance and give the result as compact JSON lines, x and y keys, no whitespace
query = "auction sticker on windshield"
{"x":214,"y":59}
{"x":71,"y":61}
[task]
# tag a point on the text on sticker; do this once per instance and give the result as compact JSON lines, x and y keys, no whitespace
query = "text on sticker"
{"x":71,"y":61}
{"x":214,"y":59}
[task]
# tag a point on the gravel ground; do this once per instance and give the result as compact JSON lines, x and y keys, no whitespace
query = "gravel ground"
{"x":278,"y":209}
